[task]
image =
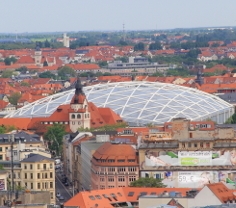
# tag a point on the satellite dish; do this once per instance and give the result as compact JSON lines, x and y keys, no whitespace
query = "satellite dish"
{"x":234,"y":193}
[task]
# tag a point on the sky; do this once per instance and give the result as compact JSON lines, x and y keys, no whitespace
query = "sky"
{"x":20,"y":16}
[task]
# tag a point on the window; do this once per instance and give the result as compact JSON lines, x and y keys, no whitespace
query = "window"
{"x":51,"y":195}
{"x":110,"y":179}
{"x":183,"y":145}
{"x":120,"y":160}
{"x":189,"y":144}
{"x":45,"y":175}
{"x":102,"y":187}
{"x":38,"y":166}
{"x":131,"y":160}
{"x":51,"y":165}
{"x":201,"y":144}
{"x":51,"y":184}
{"x":132,"y":178}
{"x":0,"y":149}
{"x":31,"y":186}
{"x":6,"y":148}
{"x":15,"y":153}
{"x":38,"y":185}
{"x":121,"y":169}
{"x":111,"y":161}
{"x":26,"y":184}
{"x":131,"y":169}
{"x":73,"y":116}
{"x":44,"y":166}
{"x":25,"y":175}
{"x":78,"y":116}
{"x":31,"y":166}
{"x":46,"y":185}
{"x":25,"y":166}
{"x":101,"y":179}
{"x":195,"y":144}
{"x":51,"y":175}
{"x":121,"y":178}
{"x":0,"y":157}
{"x":38,"y":175}
{"x":207,"y":145}
{"x":31,"y":175}
{"x":111,"y":169}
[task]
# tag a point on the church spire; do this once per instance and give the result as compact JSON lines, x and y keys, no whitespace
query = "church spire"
{"x":78,"y":87}
{"x":79,"y":94}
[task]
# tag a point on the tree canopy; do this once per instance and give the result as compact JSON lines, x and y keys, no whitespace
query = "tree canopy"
{"x":14,"y":97}
{"x":148,"y":182}
{"x":54,"y":137}
{"x":47,"y":74}
{"x":66,"y":72}
{"x":5,"y":129}
{"x":10,"y":60}
{"x":139,"y":47}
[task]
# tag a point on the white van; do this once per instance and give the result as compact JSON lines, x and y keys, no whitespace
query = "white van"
{"x":57,"y":161}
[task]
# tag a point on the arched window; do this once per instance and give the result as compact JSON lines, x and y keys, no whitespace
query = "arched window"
{"x":78,"y":116}
{"x":73,"y":116}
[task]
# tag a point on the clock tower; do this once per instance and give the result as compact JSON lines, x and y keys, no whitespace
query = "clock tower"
{"x":79,"y":115}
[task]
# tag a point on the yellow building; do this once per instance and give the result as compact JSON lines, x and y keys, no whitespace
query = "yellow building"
{"x":38,"y":174}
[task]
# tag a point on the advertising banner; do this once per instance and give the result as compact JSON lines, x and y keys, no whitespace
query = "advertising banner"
{"x":154,"y":158}
{"x":184,"y":179}
{"x":2,"y":184}
{"x":197,"y":179}
{"x":195,"y":158}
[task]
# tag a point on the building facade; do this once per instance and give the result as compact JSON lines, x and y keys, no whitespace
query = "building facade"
{"x":189,"y":154}
{"x":38,"y":174}
{"x":114,"y":165}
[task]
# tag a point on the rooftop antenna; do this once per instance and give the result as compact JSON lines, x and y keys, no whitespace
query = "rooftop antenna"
{"x":123,"y":31}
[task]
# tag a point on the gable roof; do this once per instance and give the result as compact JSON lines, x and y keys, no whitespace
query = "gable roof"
{"x":222,"y":192}
{"x":36,"y":158}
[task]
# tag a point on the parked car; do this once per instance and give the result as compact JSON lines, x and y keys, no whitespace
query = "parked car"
{"x":58,"y":194}
{"x":61,"y":198}
{"x":66,"y":184}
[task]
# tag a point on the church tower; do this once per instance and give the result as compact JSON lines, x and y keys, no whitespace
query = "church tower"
{"x":79,"y":115}
{"x":38,"y":55}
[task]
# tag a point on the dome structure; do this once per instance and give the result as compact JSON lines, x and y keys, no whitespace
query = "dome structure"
{"x":140,"y":103}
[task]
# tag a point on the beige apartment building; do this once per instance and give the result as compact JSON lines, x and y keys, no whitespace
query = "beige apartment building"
{"x":38,"y":174}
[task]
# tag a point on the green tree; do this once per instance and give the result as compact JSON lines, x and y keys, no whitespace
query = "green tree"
{"x":148,"y":182}
{"x":105,"y":127}
{"x":123,"y":43}
{"x":54,"y":137}
{"x":139,"y":47}
{"x":26,"y":84}
{"x":155,"y":46}
{"x":47,"y":44}
{"x":47,"y":74}
{"x":5,"y":129}
{"x":65,"y":72}
{"x":10,"y":60}
{"x":22,"y":69}
{"x":102,"y":64}
{"x":232,"y":119}
{"x":14,"y":97}
{"x":7,"y":74}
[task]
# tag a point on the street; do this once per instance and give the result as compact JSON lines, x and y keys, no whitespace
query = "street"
{"x":64,"y":191}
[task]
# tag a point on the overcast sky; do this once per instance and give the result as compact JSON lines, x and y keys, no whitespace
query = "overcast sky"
{"x":83,"y":15}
